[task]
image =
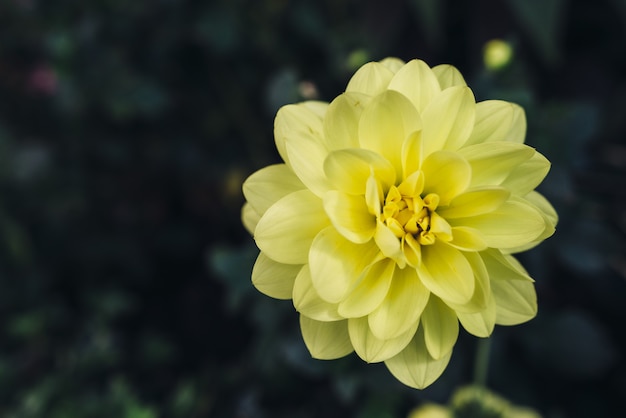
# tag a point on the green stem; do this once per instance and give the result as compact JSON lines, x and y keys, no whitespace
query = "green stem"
{"x":481,"y":362}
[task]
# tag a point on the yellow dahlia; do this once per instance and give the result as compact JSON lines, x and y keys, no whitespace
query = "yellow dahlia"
{"x":394,"y":216}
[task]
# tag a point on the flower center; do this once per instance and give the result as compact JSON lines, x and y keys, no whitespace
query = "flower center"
{"x":410,"y":215}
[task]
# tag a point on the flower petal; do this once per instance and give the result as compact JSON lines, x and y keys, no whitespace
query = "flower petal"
{"x":297,"y":120}
{"x":369,"y":291}
{"x":371,"y":79}
{"x":393,"y":63}
{"x":441,"y":328}
{"x":266,"y":186}
{"x":307,"y":161}
{"x":326,"y":340}
{"x":249,"y":217}
{"x":286,"y":230}
{"x":417,"y":82}
{"x":403,"y":306}
{"x":448,"y":76}
{"x":475,"y":202}
{"x":350,"y":216}
{"x":524,"y":177}
{"x":478,"y":316}
{"x":448,"y":120}
{"x":467,"y":239}
{"x":493,"y":162}
{"x":481,"y":323}
{"x":336,"y":263}
{"x":446,"y":272}
{"x":497,"y":120}
{"x":385,"y":123}
{"x":414,"y":366}
{"x":307,"y":301}
{"x":412,"y":154}
{"x":348,"y":169}
{"x":388,"y":243}
{"x":372,"y":349}
{"x":274,"y":279}
{"x":513,"y":224}
{"x":447,"y":174}
{"x":341,"y":122}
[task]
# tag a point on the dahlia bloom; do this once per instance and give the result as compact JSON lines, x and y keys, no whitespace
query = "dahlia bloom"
{"x":394,"y":216}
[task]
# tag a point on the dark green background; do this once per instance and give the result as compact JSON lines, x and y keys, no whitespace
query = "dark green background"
{"x":126,"y":129}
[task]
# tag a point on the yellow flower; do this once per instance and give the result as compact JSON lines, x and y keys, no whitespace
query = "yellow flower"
{"x":394,"y":217}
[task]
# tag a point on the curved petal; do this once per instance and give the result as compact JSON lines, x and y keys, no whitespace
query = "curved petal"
{"x":493,"y":162}
{"x":417,"y":82}
{"x":307,"y":161}
{"x":350,"y":215}
{"x":403,"y":306}
{"x":388,"y":243}
{"x":446,"y":272}
{"x":523,"y":178}
{"x":447,"y":174}
{"x":414,"y":366}
{"x":369,"y":291}
{"x":393,"y":63}
{"x":267,"y":185}
{"x":249,"y":218}
{"x":441,"y":328}
{"x":326,"y":340}
{"x":341,"y":122}
{"x":308,"y":302}
{"x":412,"y":154}
{"x":385,"y":123}
{"x":448,"y":120}
{"x":448,"y":76}
{"x":475,"y":202}
{"x":297,"y":121}
{"x":371,"y":79}
{"x":550,"y":218}
{"x":372,"y":349}
{"x":467,"y":239}
{"x":482,"y":287}
{"x":497,"y":120}
{"x":348,"y":169}
{"x":287,"y":229}
{"x":274,"y":279}
{"x":337,"y":263}
{"x":481,"y":323}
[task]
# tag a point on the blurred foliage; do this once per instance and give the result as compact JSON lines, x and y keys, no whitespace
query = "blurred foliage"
{"x":126,"y":129}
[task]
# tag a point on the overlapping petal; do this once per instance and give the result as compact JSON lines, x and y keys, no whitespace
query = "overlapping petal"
{"x":373,"y":349}
{"x":326,"y":340}
{"x":348,"y":170}
{"x":446,"y":174}
{"x":417,"y":82}
{"x":441,"y":328}
{"x":274,"y":279}
{"x":446,"y":272}
{"x":369,"y":291}
{"x":371,"y":79}
{"x":341,"y":123}
{"x":268,"y":185}
{"x":497,"y":120}
{"x":307,"y":301}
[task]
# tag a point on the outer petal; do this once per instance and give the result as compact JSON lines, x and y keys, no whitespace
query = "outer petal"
{"x":308,"y":302}
{"x":249,"y":217}
{"x":446,"y":174}
{"x":372,"y":349}
{"x":369,"y":291}
{"x":297,"y":120}
{"x":350,"y":216}
{"x":481,"y":323}
{"x":414,"y":366}
{"x":446,"y":272}
{"x":348,"y":169}
{"x":524,"y":177}
{"x":478,"y":317}
{"x":493,"y":162}
{"x":342,"y":120}
{"x":285,"y":232}
{"x":550,"y":218}
{"x":274,"y":279}
{"x":441,"y":328}
{"x":386,"y":121}
{"x":497,"y":120}
{"x":393,"y":63}
{"x":475,"y":202}
{"x":307,"y":161}
{"x":336,"y":263}
{"x":467,"y":239}
{"x":325,"y":340}
{"x":448,"y":120}
{"x":403,"y":306}
{"x":371,"y":79}
{"x":266,"y":186}
{"x":448,"y":76}
{"x":417,"y":82}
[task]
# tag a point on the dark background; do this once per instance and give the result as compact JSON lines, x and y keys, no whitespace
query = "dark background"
{"x":126,"y":129}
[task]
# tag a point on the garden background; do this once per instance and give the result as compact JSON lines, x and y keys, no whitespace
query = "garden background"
{"x":127,"y":128}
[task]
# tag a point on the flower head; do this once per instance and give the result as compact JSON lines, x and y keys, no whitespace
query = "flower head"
{"x":394,"y":216}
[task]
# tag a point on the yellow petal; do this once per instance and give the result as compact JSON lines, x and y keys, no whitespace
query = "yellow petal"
{"x":274,"y":279}
{"x":308,"y":302}
{"x":388,"y":243}
{"x":403,"y":306}
{"x":414,"y":366}
{"x":249,"y":217}
{"x":326,"y":340}
{"x":482,"y":287}
{"x":446,"y":272}
{"x":467,"y":239}
{"x":481,"y":323}
{"x":297,"y":120}
{"x":493,"y":162}
{"x":369,"y":291}
{"x":446,"y":174}
{"x":448,"y":76}
{"x":350,"y":216}
{"x":524,"y":177}
{"x":307,"y":161}
{"x":497,"y":120}
{"x":341,"y":122}
{"x":372,"y":349}
{"x":266,"y":186}
{"x":550,"y":218}
{"x":412,"y":153}
{"x":371,"y":79}
{"x":348,"y":169}
{"x":287,"y":229}
{"x":385,"y":123}
{"x":417,"y":82}
{"x":336,"y":263}
{"x":448,"y":120}
{"x":513,"y":224}
{"x":475,"y":202}
{"x":393,"y":63}
{"x":441,"y":328}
